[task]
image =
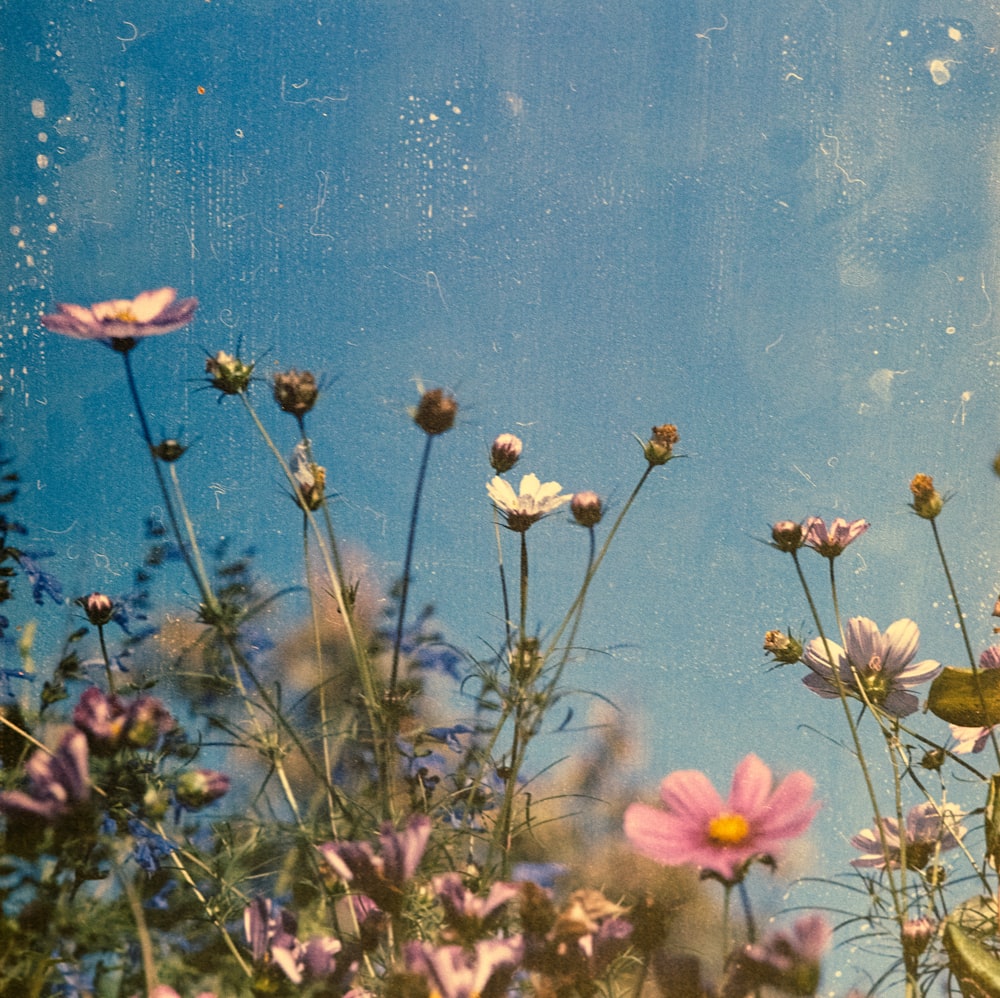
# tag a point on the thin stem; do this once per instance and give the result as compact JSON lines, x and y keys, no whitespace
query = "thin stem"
{"x":358,"y":651}
{"x":201,"y":580}
{"x":408,"y":561}
{"x":107,"y":659}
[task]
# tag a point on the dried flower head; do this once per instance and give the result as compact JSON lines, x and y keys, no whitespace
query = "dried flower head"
{"x":296,"y":391}
{"x":228,"y":373}
{"x":660,"y":447}
{"x":436,"y":412}
{"x":927,"y":501}
{"x":121,"y":322}
{"x":505,"y":452}
{"x":586,"y":508}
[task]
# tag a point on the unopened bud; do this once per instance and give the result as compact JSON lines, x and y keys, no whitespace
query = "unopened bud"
{"x":586,"y":508}
{"x":788,"y":535}
{"x":505,"y":452}
{"x":98,"y":608}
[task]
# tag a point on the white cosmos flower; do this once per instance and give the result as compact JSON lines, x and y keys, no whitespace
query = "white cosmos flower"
{"x":535,"y":500}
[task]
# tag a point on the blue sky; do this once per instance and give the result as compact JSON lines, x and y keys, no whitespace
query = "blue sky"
{"x":774,"y":227}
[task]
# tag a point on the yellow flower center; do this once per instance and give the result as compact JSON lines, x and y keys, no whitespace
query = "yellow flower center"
{"x":728,"y":829}
{"x":125,"y":315}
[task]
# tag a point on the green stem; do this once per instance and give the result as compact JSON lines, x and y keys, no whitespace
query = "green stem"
{"x":408,"y":561}
{"x":107,"y":659}
{"x":358,"y":652}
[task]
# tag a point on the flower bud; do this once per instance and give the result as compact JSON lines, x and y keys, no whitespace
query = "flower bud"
{"x":228,"y":373}
{"x":660,"y":446}
{"x":436,"y":411}
{"x":785,"y":649}
{"x":917,"y":933}
{"x":199,"y":787}
{"x":586,"y":508}
{"x":788,"y":535}
{"x":148,"y":719}
{"x":505,"y":452}
{"x":296,"y":392}
{"x":98,"y":608}
{"x":312,"y":488}
{"x":927,"y":501}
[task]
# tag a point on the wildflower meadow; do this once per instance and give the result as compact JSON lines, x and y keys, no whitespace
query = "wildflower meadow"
{"x":187,"y":810}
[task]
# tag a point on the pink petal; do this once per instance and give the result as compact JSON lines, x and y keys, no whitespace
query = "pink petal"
{"x":689,"y":794}
{"x":901,"y":639}
{"x":150,"y":304}
{"x":751,"y":787}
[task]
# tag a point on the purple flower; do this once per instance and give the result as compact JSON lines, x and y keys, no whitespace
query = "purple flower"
{"x":455,"y":972}
{"x":58,"y":782}
{"x":788,"y":960}
{"x":110,"y":722}
{"x":831,"y":541}
{"x":696,"y":826}
{"x":148,"y":314}
{"x":266,"y":924}
{"x":466,"y":914}
{"x":975,"y":739}
{"x":381,"y":877}
{"x":929,"y":829}
{"x":880,"y":665}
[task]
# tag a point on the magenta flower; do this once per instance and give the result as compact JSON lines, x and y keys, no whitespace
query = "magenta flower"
{"x":148,"y":314}
{"x":929,"y":829}
{"x":878,"y":665}
{"x":831,"y":541}
{"x":58,"y":782}
{"x":722,"y":837}
{"x":975,"y":739}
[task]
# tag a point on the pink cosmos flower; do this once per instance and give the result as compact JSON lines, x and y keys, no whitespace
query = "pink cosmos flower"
{"x":148,"y":314}
{"x":831,"y":541}
{"x":722,"y":837}
{"x":880,"y":664}
{"x":928,"y":830}
{"x":975,"y":739}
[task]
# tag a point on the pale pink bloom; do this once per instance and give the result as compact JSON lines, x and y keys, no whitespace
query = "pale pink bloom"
{"x":533,"y":501}
{"x":972,"y":740}
{"x":929,"y":828}
{"x":148,"y":314}
{"x":880,"y":664}
{"x":831,"y":541}
{"x":697,"y":826}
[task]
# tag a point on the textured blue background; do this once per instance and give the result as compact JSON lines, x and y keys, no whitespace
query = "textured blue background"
{"x":772,"y":224}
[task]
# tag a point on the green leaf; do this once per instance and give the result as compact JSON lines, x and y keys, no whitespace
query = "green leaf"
{"x":969,"y":699}
{"x":976,"y":969}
